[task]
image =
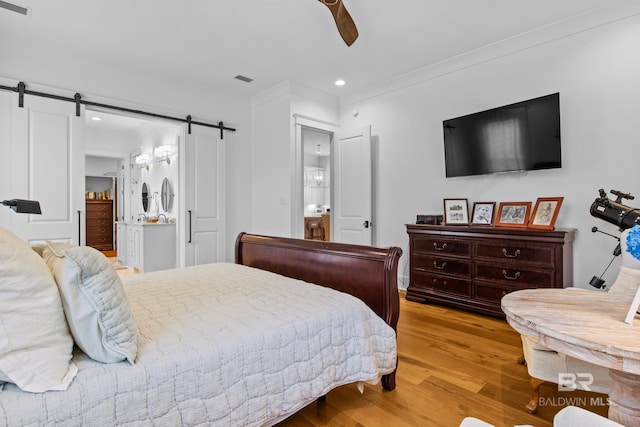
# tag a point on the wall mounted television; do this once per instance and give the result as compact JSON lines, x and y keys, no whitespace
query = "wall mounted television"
{"x":517,"y":137}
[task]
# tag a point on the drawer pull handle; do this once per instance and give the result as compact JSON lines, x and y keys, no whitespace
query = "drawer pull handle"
{"x":439,"y":267}
{"x":439,"y":248}
{"x":514,"y":277}
{"x":444,"y":282}
{"x":515,"y":254}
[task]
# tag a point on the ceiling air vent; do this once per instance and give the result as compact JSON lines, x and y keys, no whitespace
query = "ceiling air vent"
{"x":244,"y":78}
{"x":14,"y":8}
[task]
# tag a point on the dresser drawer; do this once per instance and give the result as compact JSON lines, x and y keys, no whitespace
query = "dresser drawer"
{"x":99,"y":206}
{"x":525,"y":253}
{"x":99,"y":231}
{"x":441,"y":246}
{"x":439,"y":283}
{"x":493,"y":292}
{"x":517,"y":275}
{"x":441,"y":265}
{"x":98,"y":215}
{"x":99,"y":240}
{"x":99,"y":222}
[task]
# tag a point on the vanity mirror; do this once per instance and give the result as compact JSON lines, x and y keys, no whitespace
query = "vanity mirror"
{"x":166,"y":195}
{"x":145,"y":197}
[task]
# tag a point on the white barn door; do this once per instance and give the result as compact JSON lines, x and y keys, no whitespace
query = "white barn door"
{"x":48,"y":165}
{"x":205,"y":195}
{"x":352,"y":203}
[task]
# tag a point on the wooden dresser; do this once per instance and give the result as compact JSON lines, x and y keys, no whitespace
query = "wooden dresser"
{"x":472,"y":268}
{"x":100,"y":224}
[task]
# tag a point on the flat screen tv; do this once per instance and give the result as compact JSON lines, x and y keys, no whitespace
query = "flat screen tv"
{"x":518,"y":137}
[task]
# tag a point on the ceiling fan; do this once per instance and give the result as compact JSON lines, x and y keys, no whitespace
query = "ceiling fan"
{"x":344,"y":22}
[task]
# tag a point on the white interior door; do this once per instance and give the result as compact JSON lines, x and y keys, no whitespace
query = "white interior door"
{"x":47,"y":163}
{"x":352,"y":202}
{"x":205,"y":210}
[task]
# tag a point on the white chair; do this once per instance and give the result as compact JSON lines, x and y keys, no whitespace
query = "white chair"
{"x":544,"y":365}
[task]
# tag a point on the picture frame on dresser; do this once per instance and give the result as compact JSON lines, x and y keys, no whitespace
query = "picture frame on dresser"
{"x":456,"y":212}
{"x":513,"y":214}
{"x":545,"y":213}
{"x":483,"y":213}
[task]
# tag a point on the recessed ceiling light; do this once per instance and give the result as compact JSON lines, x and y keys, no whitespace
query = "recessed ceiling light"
{"x":97,"y":119}
{"x":340,"y":82}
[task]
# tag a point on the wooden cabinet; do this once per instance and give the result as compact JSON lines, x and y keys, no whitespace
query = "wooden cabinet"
{"x":99,"y":224}
{"x":121,"y":243}
{"x":151,"y":247}
{"x":474,"y":267}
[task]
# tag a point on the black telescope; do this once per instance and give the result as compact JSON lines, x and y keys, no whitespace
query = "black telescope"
{"x":614,"y":211}
{"x":617,"y":213}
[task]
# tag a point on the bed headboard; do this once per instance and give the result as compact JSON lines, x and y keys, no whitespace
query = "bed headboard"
{"x":368,"y":273}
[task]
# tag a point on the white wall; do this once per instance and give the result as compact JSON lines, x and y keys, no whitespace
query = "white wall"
{"x":270,"y":164}
{"x":110,"y":142}
{"x":596,"y":73}
{"x":99,"y":166}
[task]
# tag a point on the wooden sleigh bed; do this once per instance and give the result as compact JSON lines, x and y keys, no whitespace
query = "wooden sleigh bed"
{"x":235,"y":344}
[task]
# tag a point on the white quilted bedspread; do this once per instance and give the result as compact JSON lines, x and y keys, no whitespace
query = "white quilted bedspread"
{"x":219,"y":344}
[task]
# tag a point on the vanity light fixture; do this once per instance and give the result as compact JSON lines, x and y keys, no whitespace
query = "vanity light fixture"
{"x":162,"y":153}
{"x":143,"y":160}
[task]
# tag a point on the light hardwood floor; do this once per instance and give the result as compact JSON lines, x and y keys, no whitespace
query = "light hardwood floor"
{"x":452,"y":364}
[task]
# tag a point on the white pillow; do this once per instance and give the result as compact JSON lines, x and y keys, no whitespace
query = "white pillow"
{"x":94,"y":302}
{"x":35,"y":343}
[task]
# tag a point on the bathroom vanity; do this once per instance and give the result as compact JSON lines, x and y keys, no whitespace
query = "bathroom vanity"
{"x":147,"y":246}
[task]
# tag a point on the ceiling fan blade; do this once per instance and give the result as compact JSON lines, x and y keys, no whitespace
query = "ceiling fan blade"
{"x":344,"y":22}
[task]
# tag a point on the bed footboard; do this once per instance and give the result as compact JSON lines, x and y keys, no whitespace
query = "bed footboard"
{"x":365,"y":272}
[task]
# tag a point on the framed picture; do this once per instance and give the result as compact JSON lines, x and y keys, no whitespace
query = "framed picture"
{"x":513,"y":214}
{"x":456,"y":212}
{"x":483,"y":213}
{"x":545,"y":212}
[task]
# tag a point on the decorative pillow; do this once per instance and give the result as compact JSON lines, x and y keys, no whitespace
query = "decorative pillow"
{"x":35,"y":343}
{"x":627,"y":282}
{"x":630,"y":245}
{"x":94,"y":302}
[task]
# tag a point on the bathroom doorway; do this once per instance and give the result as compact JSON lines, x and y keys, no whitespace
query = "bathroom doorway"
{"x":115,"y":173}
{"x":316,"y":176}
